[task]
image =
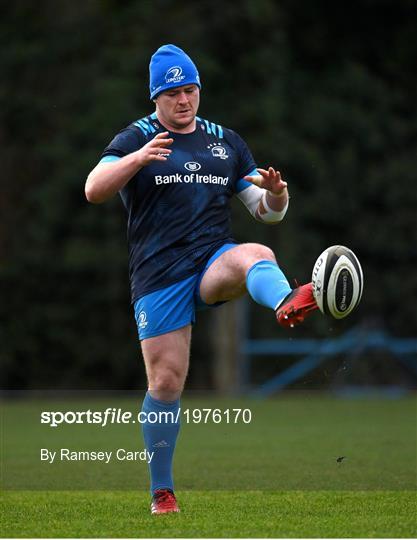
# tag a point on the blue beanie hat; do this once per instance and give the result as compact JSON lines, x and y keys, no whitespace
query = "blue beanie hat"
{"x":170,"y":66}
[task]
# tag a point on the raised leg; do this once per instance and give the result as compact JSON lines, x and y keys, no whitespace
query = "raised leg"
{"x":245,"y":268}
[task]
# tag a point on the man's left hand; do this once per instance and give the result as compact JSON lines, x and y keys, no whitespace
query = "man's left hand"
{"x":270,"y":180}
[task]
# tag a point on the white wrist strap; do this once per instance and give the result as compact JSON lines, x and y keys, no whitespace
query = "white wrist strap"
{"x":272,"y":216}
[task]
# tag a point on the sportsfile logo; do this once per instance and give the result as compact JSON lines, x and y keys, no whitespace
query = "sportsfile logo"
{"x":113,"y":415}
{"x":174,"y":75}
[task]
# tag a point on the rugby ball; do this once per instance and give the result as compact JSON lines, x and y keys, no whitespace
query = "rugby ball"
{"x":337,"y":281}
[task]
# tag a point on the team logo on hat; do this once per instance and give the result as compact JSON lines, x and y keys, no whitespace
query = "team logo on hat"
{"x":174,"y":75}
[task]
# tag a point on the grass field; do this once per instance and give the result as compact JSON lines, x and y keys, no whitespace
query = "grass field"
{"x":274,"y":477}
{"x":210,"y":514}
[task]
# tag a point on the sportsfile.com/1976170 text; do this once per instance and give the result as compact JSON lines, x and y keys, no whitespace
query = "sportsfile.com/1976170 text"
{"x":113,"y":415}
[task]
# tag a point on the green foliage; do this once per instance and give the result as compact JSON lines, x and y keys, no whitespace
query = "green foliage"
{"x":329,"y":98}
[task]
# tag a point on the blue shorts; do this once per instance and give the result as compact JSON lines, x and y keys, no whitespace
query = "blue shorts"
{"x":173,"y":307}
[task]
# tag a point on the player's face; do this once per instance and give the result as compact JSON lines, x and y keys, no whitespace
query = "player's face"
{"x":176,"y":108}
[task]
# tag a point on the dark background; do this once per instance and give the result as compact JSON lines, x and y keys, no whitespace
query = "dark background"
{"x":324,"y":91}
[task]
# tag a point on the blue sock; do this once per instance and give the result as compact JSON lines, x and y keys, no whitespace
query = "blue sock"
{"x":267,"y":284}
{"x":160,"y":438}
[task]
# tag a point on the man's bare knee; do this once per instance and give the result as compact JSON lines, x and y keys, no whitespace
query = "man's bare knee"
{"x":166,"y":383}
{"x":260,"y":252}
{"x":226,"y":277}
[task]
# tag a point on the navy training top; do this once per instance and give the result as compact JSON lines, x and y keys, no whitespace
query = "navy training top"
{"x":179,"y":209}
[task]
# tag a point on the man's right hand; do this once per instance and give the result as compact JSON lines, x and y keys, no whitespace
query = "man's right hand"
{"x":155,"y":150}
{"x":106,"y":179}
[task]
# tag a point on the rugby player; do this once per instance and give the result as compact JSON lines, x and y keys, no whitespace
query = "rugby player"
{"x":176,"y":174}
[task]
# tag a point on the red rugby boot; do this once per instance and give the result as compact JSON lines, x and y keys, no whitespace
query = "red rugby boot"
{"x":164,"y":502}
{"x":296,"y":306}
